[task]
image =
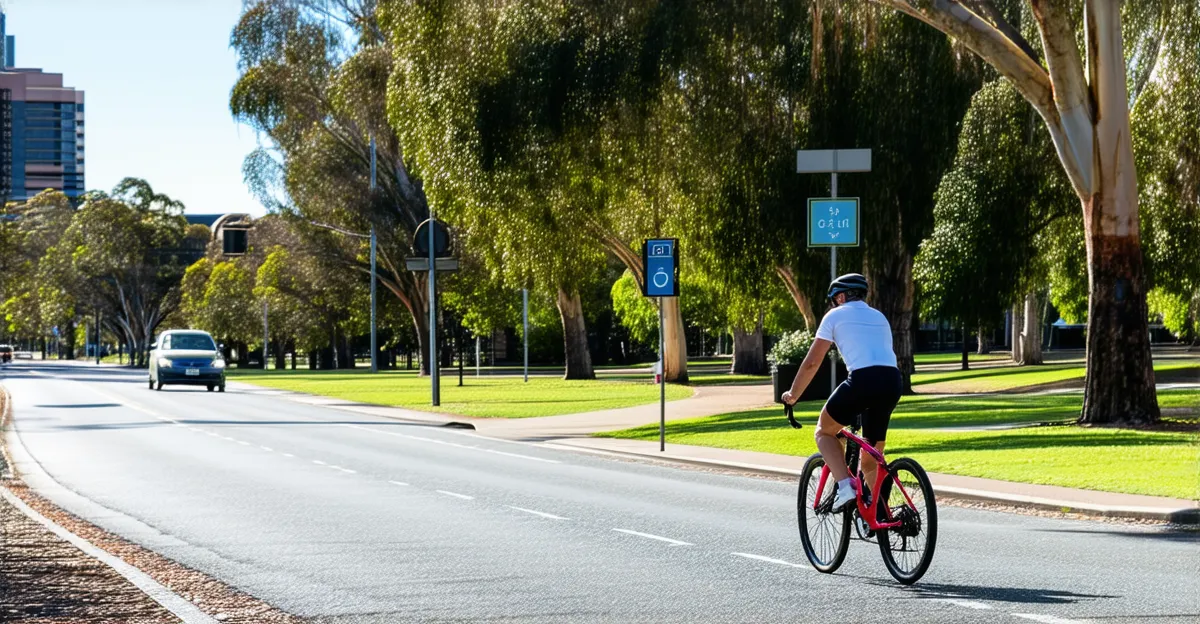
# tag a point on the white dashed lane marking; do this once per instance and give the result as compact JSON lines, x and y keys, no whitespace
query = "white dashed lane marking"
{"x":455,"y":495}
{"x":1046,"y":619}
{"x":538,"y":513}
{"x":401,"y":483}
{"x":771,"y":560}
{"x":673,"y":542}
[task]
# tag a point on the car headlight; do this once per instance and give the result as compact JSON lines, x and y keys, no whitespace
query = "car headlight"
{"x":164,"y":363}
{"x":218,"y":363}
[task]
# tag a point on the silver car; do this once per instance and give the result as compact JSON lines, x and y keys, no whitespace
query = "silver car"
{"x":187,"y":357}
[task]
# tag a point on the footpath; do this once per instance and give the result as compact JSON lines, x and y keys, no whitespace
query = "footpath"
{"x":574,"y":431}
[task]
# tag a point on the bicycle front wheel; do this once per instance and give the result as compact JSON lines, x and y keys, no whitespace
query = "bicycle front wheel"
{"x":825,"y":535}
{"x":908,"y":549}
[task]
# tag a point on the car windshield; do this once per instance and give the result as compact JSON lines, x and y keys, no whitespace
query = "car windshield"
{"x":191,"y":342}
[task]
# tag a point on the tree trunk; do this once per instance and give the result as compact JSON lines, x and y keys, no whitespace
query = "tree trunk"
{"x":280,"y":356}
{"x":1018,"y":313}
{"x":749,"y":357}
{"x":1031,"y":335}
{"x":798,"y":297}
{"x":985,"y":344}
{"x":1120,"y":374}
{"x":575,"y":342}
{"x":675,"y":360}
{"x":890,"y":276}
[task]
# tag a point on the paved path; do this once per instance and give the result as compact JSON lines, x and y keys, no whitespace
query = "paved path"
{"x":347,"y":517}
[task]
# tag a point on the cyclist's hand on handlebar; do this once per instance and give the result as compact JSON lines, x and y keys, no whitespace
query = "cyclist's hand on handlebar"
{"x":787,"y":409}
{"x":788,"y":398}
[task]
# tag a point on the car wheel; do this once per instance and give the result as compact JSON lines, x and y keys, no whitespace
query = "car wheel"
{"x":158,"y":386}
{"x":221,"y":388}
{"x":152,"y":383}
{"x":210,"y":387}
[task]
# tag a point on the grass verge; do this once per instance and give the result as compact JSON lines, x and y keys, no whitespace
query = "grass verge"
{"x":1157,"y":463}
{"x":483,"y":397}
{"x":1005,"y":378}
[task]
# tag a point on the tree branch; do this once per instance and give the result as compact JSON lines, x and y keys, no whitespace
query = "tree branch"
{"x":1071,"y":95}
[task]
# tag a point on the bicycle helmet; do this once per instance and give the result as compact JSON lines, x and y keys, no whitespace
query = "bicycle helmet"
{"x":846,"y":283}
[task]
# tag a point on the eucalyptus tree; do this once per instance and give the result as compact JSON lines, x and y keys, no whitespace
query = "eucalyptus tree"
{"x":518,"y":117}
{"x":988,"y":247}
{"x":1084,"y":95}
{"x":313,"y":82}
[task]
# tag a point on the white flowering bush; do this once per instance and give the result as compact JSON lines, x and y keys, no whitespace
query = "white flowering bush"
{"x":791,"y":348}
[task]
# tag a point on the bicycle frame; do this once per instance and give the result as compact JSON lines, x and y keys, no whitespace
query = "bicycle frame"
{"x":881,"y":475}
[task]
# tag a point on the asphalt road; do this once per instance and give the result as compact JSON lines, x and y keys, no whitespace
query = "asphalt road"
{"x":348,"y":518}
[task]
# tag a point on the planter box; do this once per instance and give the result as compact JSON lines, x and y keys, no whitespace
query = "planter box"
{"x":818,"y":389}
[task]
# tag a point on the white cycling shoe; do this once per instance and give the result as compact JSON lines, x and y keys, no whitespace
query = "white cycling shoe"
{"x":846,"y":494}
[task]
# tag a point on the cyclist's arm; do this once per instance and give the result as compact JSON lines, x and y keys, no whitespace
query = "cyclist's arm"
{"x":808,"y":368}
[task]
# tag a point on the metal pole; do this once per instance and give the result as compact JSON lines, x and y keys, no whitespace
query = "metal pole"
{"x":525,"y":322}
{"x":662,"y":381}
{"x":97,"y":336}
{"x":266,"y":336}
{"x":374,"y":342}
{"x":477,"y":355}
{"x":433,"y":350}
{"x":833,"y":381}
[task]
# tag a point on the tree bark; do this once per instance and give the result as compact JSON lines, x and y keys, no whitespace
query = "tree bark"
{"x":675,"y":360}
{"x":803,"y":303}
{"x":1120,"y":378}
{"x":984,"y":345}
{"x":890,"y":276}
{"x":1031,"y":335}
{"x":575,"y":342}
{"x":749,"y":356}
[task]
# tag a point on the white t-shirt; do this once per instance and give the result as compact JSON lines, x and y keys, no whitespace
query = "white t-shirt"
{"x":862,"y":335}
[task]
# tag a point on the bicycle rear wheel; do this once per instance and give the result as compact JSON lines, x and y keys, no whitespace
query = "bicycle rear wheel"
{"x":908,"y":549}
{"x":825,"y":535}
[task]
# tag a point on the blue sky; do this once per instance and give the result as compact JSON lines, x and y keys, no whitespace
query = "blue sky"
{"x":157,"y":75}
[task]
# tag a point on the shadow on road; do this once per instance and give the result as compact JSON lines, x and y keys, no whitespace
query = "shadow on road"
{"x":1000,"y":594}
{"x":1167,"y":535}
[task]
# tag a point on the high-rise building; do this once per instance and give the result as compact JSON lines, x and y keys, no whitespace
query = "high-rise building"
{"x":41,"y":130}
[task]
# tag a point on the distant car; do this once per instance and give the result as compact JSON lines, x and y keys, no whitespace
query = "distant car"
{"x":187,"y":357}
{"x":23,"y":355}
{"x":6,"y":354}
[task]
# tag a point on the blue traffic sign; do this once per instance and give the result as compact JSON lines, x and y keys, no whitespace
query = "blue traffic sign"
{"x":660,"y":256}
{"x":833,"y":222}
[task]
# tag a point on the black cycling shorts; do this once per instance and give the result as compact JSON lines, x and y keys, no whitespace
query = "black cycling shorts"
{"x":873,"y":392}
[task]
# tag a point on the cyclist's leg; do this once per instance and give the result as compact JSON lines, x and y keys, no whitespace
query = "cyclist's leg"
{"x":830,"y":446}
{"x":886,"y":384}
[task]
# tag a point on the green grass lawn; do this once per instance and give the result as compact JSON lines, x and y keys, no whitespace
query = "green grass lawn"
{"x":953,"y":358}
{"x":1117,"y":460}
{"x":1002,"y":378}
{"x":483,"y":397}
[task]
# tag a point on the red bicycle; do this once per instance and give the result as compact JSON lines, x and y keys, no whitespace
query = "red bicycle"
{"x":901,"y":515}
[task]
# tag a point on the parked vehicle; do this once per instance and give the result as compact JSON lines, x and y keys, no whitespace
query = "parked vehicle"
{"x":186,"y":357}
{"x":6,"y":354}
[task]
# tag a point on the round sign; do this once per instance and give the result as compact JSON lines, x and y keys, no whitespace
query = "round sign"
{"x":441,"y":239}
{"x":661,"y":278}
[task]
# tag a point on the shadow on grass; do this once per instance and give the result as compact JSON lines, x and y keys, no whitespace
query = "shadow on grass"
{"x":921,"y":379}
{"x":1069,"y":437}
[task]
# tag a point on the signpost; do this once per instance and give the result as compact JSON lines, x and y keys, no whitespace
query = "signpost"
{"x":660,"y":258}
{"x":832,"y":222}
{"x":434,"y":243}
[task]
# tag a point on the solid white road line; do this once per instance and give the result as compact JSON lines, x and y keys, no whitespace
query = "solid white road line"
{"x":455,"y":495}
{"x":287,"y":454}
{"x":1046,"y":619}
{"x":771,"y":560}
{"x":243,"y":443}
{"x":969,"y":604}
{"x":266,"y":448}
{"x":673,"y":542}
{"x":455,"y":445}
{"x":344,"y":469}
{"x":538,"y":513}
{"x":398,"y":483}
{"x":319,"y":462}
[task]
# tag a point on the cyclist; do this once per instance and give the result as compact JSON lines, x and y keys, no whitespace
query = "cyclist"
{"x":864,"y":338}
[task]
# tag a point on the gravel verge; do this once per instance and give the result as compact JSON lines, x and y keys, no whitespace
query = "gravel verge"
{"x":44,"y":579}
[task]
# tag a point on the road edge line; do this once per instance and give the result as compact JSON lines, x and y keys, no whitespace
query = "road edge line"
{"x":176,"y":604}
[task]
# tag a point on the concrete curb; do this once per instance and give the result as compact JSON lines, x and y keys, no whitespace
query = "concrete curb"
{"x":1186,"y":515}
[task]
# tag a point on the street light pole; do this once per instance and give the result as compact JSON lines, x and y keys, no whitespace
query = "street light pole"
{"x":525,"y":333}
{"x":266,"y":335}
{"x":433,"y":354}
{"x":374,"y":343}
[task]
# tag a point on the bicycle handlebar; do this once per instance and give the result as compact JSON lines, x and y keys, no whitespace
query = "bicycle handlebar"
{"x":787,"y":409}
